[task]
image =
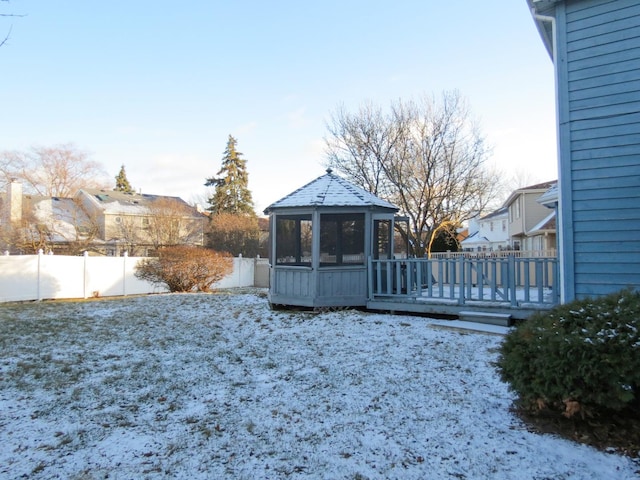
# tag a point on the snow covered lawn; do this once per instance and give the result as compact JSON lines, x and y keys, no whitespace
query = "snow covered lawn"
{"x":219,"y":386}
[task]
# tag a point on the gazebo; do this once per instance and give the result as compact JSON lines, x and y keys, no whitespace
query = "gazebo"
{"x":321,"y":238}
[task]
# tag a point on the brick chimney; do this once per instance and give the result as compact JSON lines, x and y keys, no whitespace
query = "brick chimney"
{"x":14,"y":201}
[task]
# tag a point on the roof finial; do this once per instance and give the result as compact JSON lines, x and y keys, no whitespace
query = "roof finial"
{"x":329,"y":171}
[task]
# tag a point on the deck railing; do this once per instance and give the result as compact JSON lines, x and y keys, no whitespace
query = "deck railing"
{"x":498,"y":254}
{"x":511,"y":281}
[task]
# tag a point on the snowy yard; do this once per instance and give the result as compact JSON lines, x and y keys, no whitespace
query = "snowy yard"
{"x":219,"y":386}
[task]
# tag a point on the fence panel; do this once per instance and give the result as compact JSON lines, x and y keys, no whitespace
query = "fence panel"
{"x":18,"y":278}
{"x":38,"y":277}
{"x":61,"y":277}
{"x":242,"y":275}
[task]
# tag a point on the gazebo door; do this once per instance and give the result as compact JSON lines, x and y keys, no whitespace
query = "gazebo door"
{"x":382,"y":246}
{"x":382,"y":237}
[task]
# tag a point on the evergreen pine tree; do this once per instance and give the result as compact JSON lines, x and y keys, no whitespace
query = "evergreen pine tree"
{"x":232,"y":194}
{"x":122,"y":183}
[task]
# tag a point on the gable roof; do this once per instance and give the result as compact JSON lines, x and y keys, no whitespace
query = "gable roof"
{"x":541,"y":11}
{"x":547,"y":223}
{"x":537,"y":188}
{"x":330,"y":190}
{"x":549,"y":198}
{"x":116,"y":203}
{"x":63,"y":217}
{"x":500,"y":212}
{"x":474,"y":238}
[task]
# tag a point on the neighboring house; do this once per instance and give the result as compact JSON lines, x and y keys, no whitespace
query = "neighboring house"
{"x":548,"y":226}
{"x":488,"y":233}
{"x":530,"y":224}
{"x":140,"y":223}
{"x":29,"y":223}
{"x":595,"y":47}
{"x":542,"y":236}
{"x":100,"y":221}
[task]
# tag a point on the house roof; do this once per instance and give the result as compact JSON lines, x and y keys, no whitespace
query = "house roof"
{"x":63,"y":217}
{"x":549,"y":198}
{"x":547,"y":223}
{"x":537,"y":188}
{"x":330,"y":190}
{"x":539,"y":10}
{"x":502,"y":211}
{"x":475,"y":237}
{"x":117,"y":203}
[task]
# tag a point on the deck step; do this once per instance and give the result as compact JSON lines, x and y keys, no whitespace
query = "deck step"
{"x":502,"y":319}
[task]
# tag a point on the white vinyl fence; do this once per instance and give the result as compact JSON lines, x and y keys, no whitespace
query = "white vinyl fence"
{"x":39,"y":277}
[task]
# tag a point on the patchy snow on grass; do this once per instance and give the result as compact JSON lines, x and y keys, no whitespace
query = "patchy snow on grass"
{"x":219,"y":386}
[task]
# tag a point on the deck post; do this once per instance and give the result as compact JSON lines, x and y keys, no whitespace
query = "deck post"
{"x":463,"y":279}
{"x":527,"y":277}
{"x":369,"y":278}
{"x":512,"y":281}
{"x":540,"y":263}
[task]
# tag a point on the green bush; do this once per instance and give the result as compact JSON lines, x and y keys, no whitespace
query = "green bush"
{"x":579,"y":357}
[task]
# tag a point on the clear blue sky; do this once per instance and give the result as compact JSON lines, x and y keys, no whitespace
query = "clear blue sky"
{"x":158,"y":86}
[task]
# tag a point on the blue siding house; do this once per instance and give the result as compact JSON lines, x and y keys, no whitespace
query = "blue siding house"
{"x":595,"y":47}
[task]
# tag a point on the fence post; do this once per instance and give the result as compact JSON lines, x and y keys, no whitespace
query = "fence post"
{"x":38,"y":289}
{"x":124,"y":273}
{"x":84,"y":274}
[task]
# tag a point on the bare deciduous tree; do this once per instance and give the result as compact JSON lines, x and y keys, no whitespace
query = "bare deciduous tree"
{"x":78,"y":229}
{"x":173,"y":222}
{"x":71,"y":230}
{"x":428,"y":157}
{"x":58,"y":171}
{"x":8,"y":34}
{"x":26,"y":236}
{"x":131,"y":237}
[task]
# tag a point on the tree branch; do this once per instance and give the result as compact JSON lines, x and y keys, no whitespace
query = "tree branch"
{"x":6,"y":38}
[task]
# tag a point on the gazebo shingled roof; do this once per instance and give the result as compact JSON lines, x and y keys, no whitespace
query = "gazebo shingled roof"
{"x":330,"y":190}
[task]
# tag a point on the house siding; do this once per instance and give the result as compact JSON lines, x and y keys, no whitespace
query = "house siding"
{"x":598,"y":68}
{"x":533,"y":211}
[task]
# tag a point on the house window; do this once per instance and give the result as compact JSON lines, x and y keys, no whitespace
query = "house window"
{"x":145,"y":222}
{"x":118,"y":219}
{"x":504,"y":225}
{"x":293,"y":239}
{"x":517,"y":207}
{"x":342,"y":239}
{"x":491,"y":226}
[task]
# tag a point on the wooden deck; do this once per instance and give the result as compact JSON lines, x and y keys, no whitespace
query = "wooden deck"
{"x":497,"y":286}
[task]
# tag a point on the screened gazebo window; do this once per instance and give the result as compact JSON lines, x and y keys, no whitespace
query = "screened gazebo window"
{"x":293,"y":239}
{"x":342,"y":239}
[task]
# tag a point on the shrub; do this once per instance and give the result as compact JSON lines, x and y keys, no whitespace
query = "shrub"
{"x":185,"y":269}
{"x":580,"y":357}
{"x":238,"y":234}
